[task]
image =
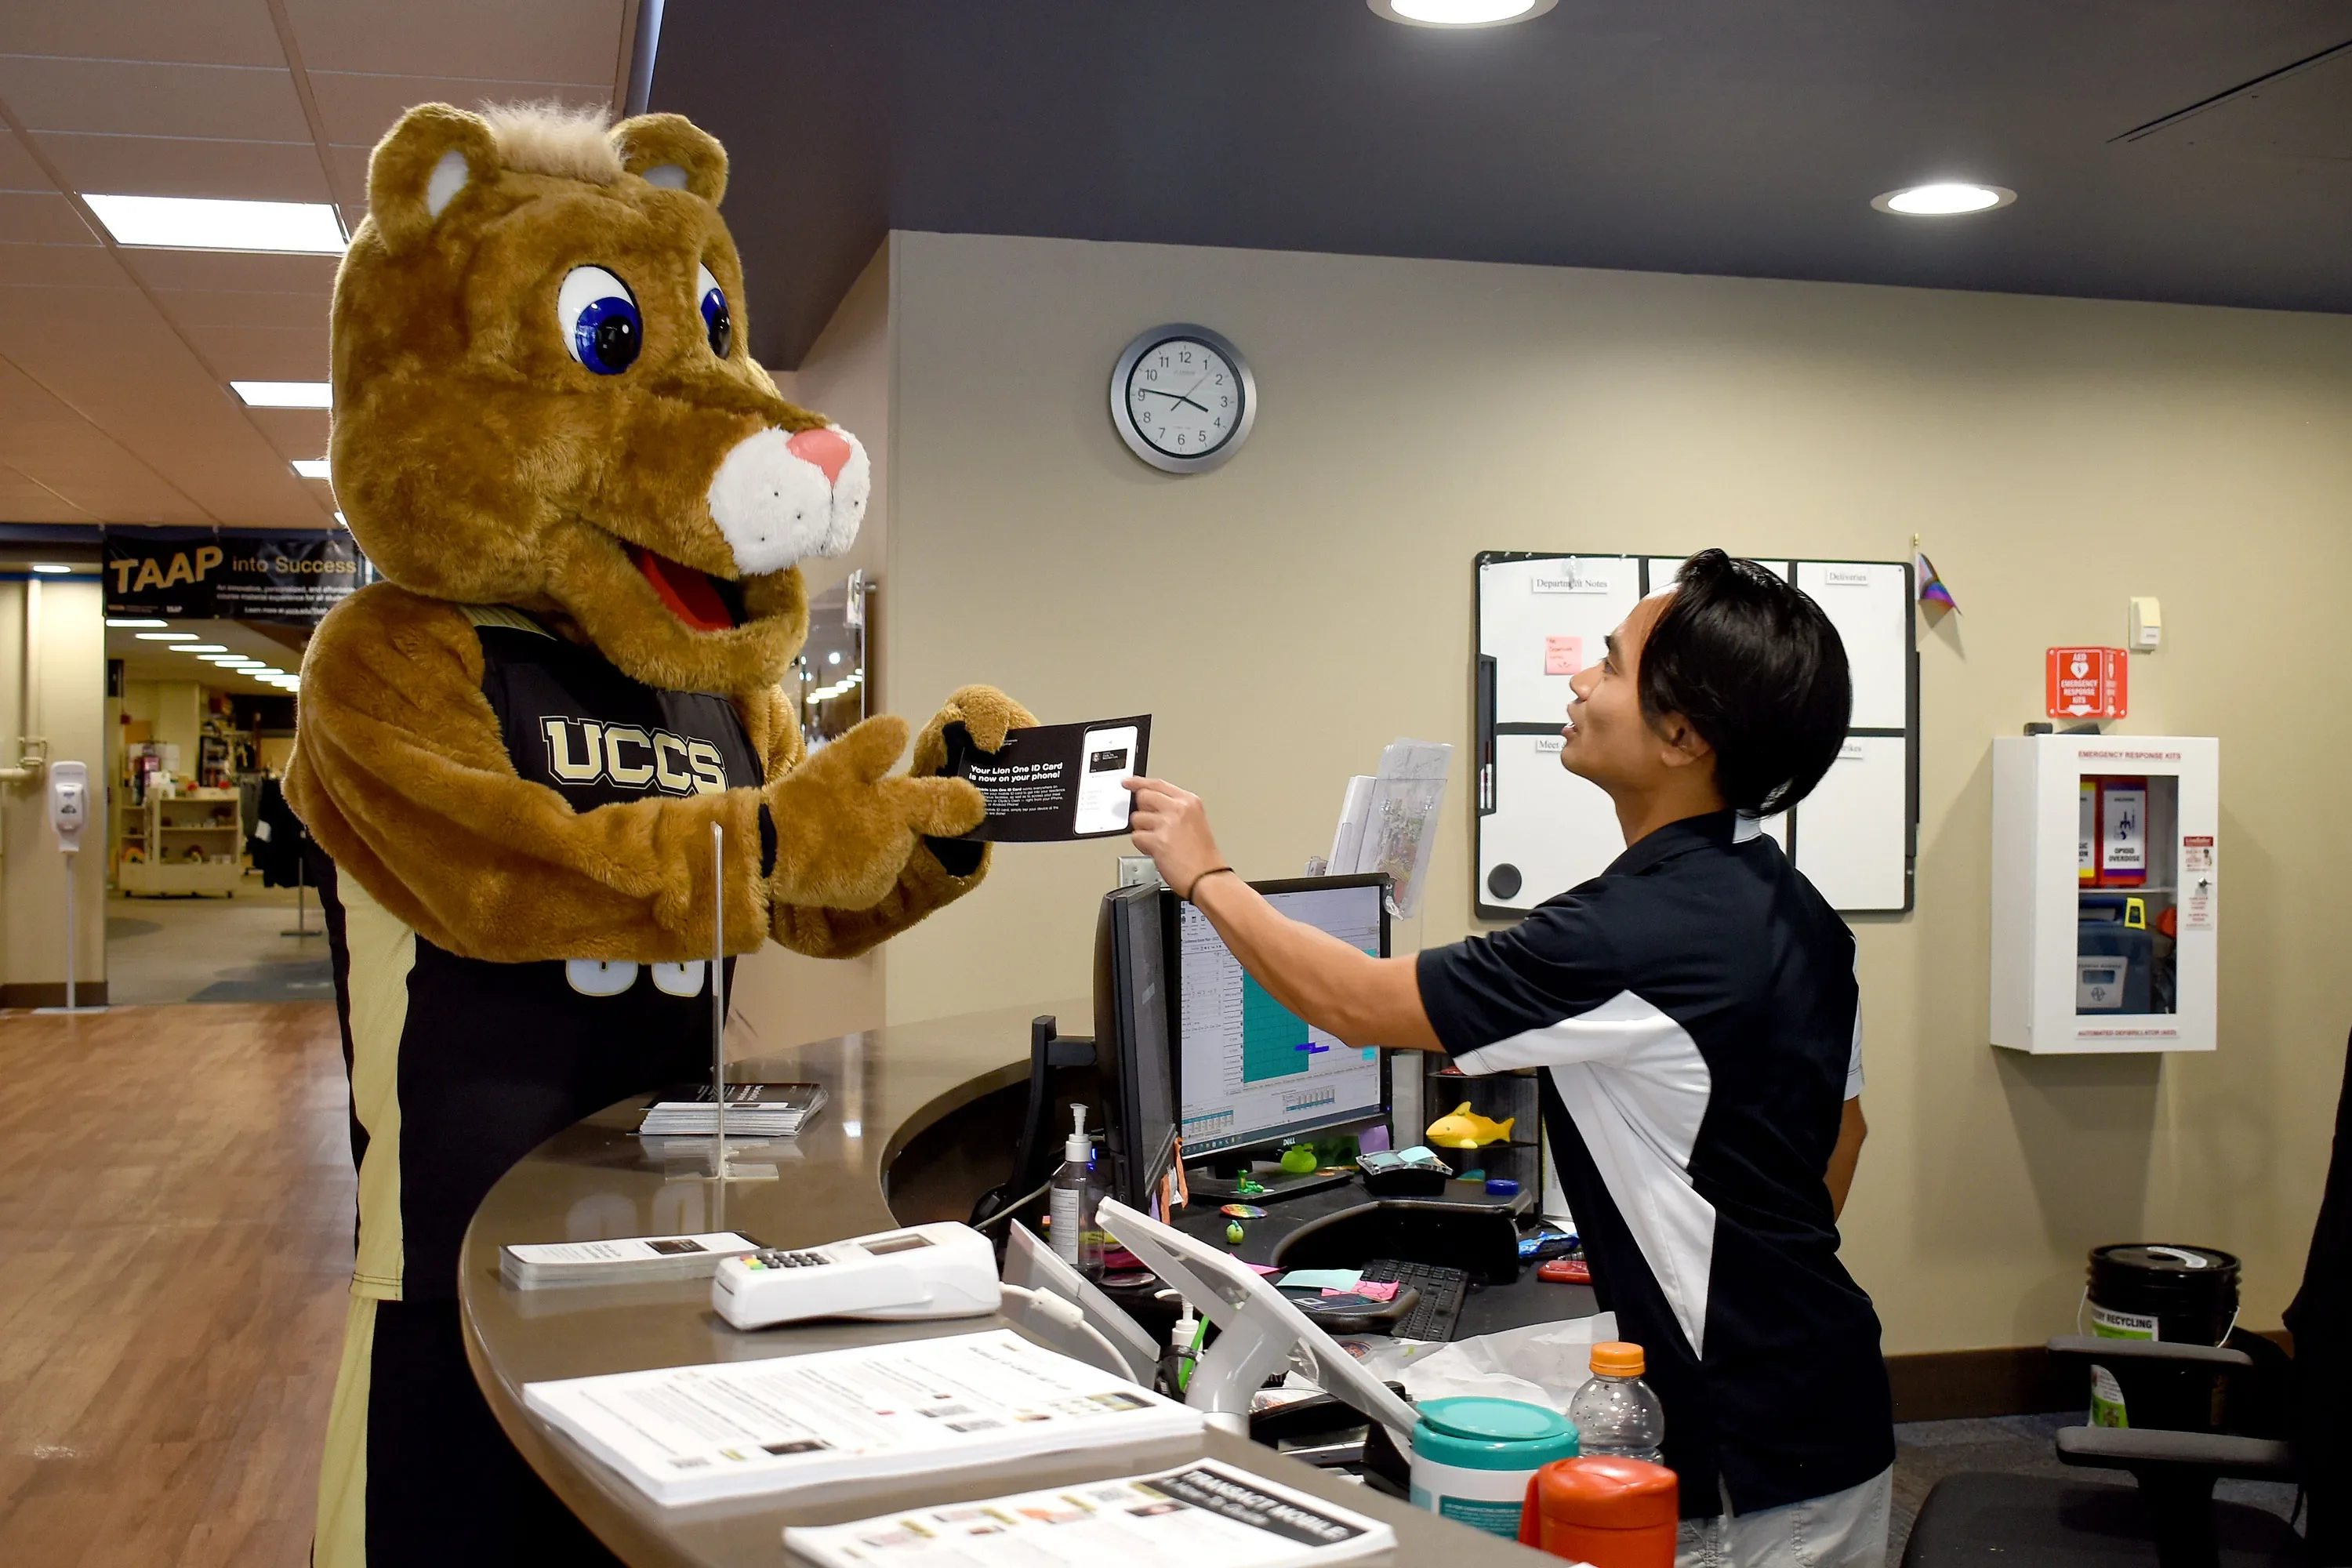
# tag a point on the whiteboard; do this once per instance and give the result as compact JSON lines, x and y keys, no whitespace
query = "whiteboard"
{"x":1854,"y":831}
{"x":1543,"y":619}
{"x":1541,"y":831}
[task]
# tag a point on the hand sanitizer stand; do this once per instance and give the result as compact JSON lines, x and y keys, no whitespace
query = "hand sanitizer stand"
{"x":68,"y":815}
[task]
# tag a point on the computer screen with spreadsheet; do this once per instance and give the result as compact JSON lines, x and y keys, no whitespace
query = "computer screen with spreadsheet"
{"x":1249,"y":1071}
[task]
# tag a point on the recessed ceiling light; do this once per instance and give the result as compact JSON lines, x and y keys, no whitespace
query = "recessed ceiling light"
{"x":120,"y":622}
{"x":284,"y":393}
{"x":311,"y":467}
{"x":197,"y":223}
{"x":1948,"y":199}
{"x":1459,"y":13}
{"x":161,"y":637}
{"x":200,"y":647}
{"x":52,"y":568}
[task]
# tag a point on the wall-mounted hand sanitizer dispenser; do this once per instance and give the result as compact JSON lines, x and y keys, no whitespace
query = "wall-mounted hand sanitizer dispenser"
{"x":68,"y":803}
{"x":2105,"y":892}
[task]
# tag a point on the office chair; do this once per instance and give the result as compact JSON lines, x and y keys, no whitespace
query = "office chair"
{"x":2169,"y":1518}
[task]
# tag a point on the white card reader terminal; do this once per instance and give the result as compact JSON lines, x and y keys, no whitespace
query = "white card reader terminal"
{"x":942,"y":1270}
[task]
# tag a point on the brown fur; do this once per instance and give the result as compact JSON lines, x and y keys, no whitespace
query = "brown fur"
{"x":478,"y":463}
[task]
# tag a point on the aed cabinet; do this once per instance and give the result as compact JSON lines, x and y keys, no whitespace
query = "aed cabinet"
{"x":2105,"y":889}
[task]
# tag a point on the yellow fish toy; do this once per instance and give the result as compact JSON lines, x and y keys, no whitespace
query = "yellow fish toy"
{"x":1466,"y":1129}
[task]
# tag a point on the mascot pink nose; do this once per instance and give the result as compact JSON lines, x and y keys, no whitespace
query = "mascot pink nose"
{"x":825,"y":450}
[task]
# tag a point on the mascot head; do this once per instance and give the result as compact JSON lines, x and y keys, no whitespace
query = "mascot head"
{"x":544,"y":397}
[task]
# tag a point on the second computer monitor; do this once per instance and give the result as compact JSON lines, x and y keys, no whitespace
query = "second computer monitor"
{"x":1249,"y":1071}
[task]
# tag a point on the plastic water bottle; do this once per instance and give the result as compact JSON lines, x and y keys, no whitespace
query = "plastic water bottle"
{"x":1071,"y":1202}
{"x":1617,"y":1412}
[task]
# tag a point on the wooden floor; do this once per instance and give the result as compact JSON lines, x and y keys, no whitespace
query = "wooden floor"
{"x":175,"y":1241}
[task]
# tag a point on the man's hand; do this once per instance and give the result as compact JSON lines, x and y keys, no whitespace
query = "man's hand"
{"x":843,"y":829}
{"x":1172,"y":826}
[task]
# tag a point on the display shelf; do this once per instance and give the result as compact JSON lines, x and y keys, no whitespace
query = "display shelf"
{"x":203,"y":819}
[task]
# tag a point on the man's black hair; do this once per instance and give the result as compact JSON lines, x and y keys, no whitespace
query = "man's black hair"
{"x":1758,"y":670}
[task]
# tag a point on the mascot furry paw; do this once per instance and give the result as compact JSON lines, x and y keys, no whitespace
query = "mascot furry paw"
{"x":589,"y":503}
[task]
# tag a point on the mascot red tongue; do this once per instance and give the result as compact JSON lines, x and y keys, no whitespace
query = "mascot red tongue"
{"x":589,"y":505}
{"x":687,"y":593}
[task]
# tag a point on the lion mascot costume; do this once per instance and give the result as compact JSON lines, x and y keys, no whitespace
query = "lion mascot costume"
{"x":588,"y":502}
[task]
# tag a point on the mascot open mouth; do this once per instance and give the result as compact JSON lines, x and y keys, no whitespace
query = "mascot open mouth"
{"x":704,"y":603}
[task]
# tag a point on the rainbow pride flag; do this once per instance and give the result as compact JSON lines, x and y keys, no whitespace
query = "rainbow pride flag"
{"x":1931,"y":587}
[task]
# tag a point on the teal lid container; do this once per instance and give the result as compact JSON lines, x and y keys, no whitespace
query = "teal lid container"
{"x":1475,"y":1434}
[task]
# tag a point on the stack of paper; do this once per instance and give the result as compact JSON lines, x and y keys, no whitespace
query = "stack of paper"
{"x":1203,"y":1513}
{"x":626,"y":1260}
{"x":690,"y":1433}
{"x":753,"y":1110}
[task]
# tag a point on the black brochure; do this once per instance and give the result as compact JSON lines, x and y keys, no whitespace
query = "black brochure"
{"x":1055,"y":782}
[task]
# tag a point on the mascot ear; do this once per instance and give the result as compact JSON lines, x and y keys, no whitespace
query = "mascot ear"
{"x":669,"y":149}
{"x":433,"y":156}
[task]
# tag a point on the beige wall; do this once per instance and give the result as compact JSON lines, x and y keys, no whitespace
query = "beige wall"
{"x":70,"y":707}
{"x":1286,"y":615}
{"x":781,"y":998}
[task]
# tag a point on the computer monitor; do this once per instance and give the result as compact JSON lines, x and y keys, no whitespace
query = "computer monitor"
{"x":1131,"y":1045}
{"x":1249,"y":1071}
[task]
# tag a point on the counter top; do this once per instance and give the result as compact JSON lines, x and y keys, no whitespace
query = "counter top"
{"x":597,"y":1179}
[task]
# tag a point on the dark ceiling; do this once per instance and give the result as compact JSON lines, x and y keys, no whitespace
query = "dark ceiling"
{"x":2176,"y":149}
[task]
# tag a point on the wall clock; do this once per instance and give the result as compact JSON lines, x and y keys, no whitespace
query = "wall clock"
{"x":1183,"y":398}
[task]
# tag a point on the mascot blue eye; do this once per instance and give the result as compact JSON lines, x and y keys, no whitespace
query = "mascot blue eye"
{"x":600,"y":321}
{"x":716,"y":322}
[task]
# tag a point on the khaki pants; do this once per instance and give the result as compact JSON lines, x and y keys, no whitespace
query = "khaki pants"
{"x":1843,"y":1529}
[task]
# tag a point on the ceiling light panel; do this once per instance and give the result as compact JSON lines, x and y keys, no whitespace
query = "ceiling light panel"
{"x":313,"y":468}
{"x":162,"y":636}
{"x":198,"y":223}
{"x":283,"y":393}
{"x":118,"y":623}
{"x":1948,"y":198}
{"x":1459,"y":13}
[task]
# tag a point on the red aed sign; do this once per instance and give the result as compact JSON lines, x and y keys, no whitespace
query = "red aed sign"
{"x":2089,"y":683}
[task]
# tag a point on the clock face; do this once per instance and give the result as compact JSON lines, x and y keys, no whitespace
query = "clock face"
{"x":1186,"y":398}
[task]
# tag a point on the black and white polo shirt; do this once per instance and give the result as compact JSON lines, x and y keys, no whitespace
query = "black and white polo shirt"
{"x":1696,"y":1010}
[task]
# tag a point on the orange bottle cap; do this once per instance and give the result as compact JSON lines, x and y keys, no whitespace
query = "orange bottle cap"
{"x":1617,"y":1358}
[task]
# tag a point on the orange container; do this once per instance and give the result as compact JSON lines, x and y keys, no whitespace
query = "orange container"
{"x":1602,"y":1510}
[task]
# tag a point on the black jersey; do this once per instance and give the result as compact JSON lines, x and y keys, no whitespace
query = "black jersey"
{"x":460,"y":1066}
{"x":1697,"y":1012}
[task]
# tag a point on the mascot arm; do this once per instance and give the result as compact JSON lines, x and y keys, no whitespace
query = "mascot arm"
{"x":401,"y":775}
{"x":938,"y":872}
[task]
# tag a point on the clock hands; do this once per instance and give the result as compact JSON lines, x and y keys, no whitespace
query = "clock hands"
{"x":1177,"y":396}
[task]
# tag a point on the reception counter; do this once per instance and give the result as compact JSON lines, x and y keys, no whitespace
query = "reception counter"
{"x":917,"y":1123}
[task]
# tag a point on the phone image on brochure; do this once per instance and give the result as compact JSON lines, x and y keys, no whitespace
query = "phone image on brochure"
{"x":1108,"y":757}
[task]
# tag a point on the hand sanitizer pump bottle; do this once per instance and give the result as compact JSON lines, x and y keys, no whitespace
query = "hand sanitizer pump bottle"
{"x":1072,"y":1202}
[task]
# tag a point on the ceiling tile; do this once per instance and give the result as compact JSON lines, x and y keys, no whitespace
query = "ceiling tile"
{"x":23,"y":500}
{"x":358,"y":110}
{"x":265,"y":353}
{"x":34,"y":218}
{"x":43,"y":438}
{"x":134,"y":97}
{"x":243,"y":307}
{"x":17,"y":170}
{"x":200,"y":32}
{"x":264,"y":273}
{"x":516,"y":41}
{"x":188,"y":166}
{"x":295,"y":432}
{"x":127,"y":372}
{"x":59,"y":267}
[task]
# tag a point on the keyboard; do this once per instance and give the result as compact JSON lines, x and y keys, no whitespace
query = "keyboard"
{"x":1442,"y":1291}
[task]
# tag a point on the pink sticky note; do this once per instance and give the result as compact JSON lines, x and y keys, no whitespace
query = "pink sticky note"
{"x":1563,"y":656}
{"x":1369,"y":1289}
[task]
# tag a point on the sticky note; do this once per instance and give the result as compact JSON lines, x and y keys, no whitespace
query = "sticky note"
{"x":1563,"y":656}
{"x":1370,"y":1290}
{"x":1321,"y":1280}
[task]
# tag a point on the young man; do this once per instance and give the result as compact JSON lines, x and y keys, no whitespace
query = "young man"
{"x":1696,"y":1010}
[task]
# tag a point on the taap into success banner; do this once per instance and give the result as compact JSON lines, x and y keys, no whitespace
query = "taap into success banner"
{"x":228,"y":573}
